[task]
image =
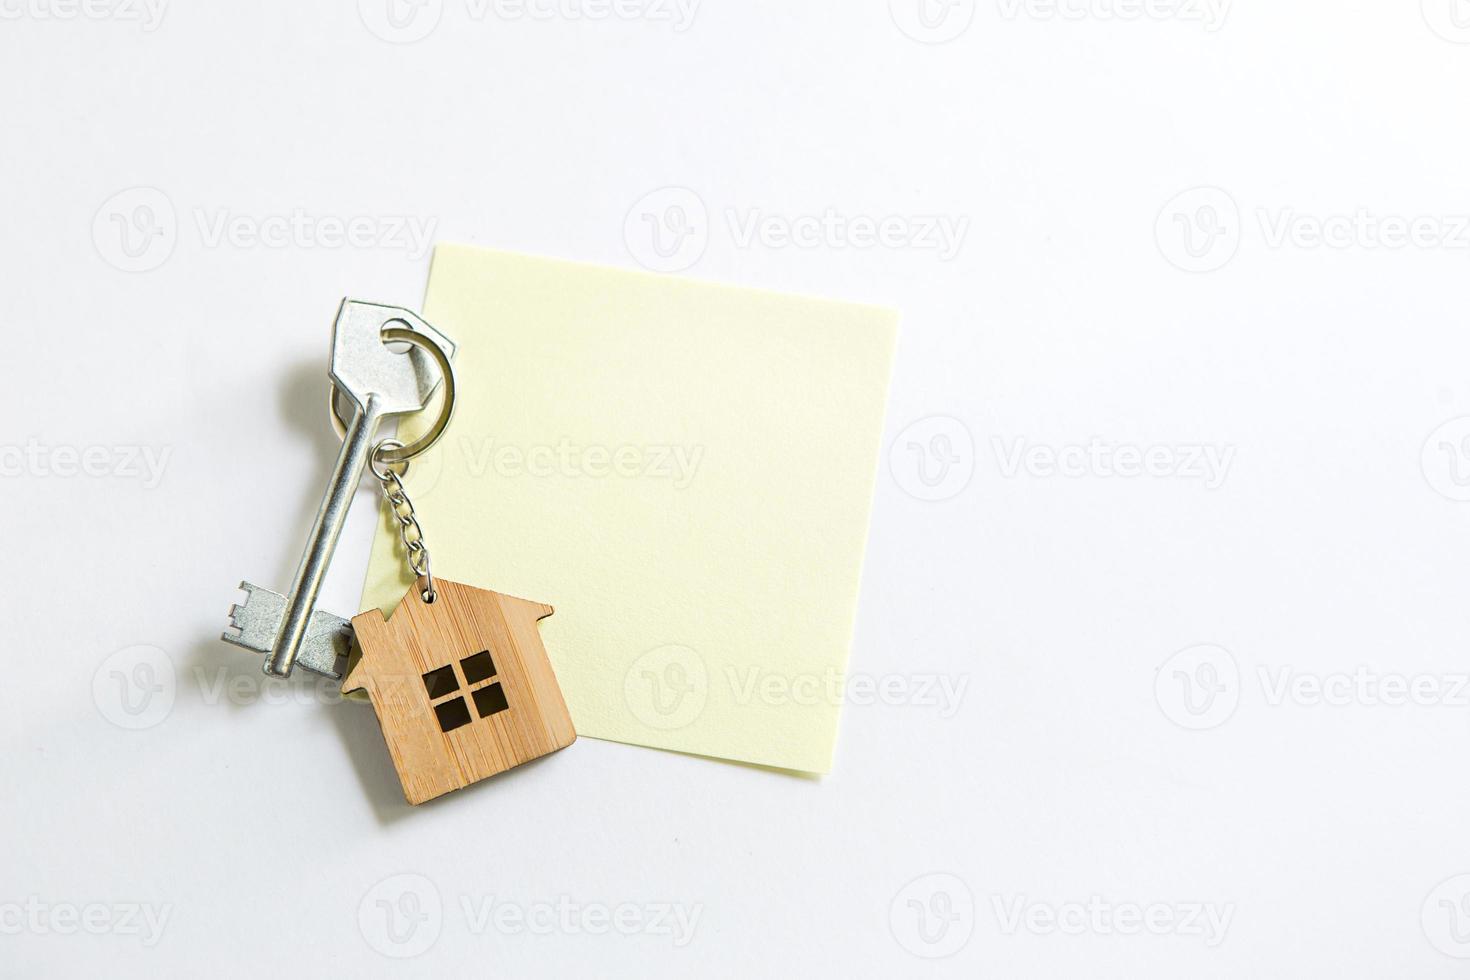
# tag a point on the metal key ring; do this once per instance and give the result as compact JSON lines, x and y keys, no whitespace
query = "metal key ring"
{"x":446,"y":411}
{"x":380,"y":451}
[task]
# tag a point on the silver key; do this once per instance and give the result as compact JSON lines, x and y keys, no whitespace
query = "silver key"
{"x":380,"y":384}
{"x":256,"y":622}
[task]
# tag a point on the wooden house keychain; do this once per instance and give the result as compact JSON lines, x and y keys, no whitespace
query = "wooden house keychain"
{"x":457,"y":675}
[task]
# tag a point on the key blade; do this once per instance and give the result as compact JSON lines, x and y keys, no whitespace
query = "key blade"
{"x":255,"y":621}
{"x":357,"y":446}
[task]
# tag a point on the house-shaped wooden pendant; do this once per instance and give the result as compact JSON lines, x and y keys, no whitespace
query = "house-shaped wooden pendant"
{"x":462,"y":686}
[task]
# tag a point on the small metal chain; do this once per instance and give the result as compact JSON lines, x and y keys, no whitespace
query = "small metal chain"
{"x":389,"y":476}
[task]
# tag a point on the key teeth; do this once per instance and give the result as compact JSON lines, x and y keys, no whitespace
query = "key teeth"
{"x":237,"y":607}
{"x":234,"y":624}
{"x":253,"y":623}
{"x":235,"y":630}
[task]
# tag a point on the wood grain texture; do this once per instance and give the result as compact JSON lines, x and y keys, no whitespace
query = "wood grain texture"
{"x":423,"y":637}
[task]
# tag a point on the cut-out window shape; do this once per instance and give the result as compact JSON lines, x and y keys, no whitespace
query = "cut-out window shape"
{"x":452,"y":714}
{"x":441,"y":683}
{"x":478,"y":668}
{"x":452,"y":709}
{"x":489,"y":700}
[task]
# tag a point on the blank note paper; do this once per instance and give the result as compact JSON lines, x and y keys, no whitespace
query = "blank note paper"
{"x":683,"y":470}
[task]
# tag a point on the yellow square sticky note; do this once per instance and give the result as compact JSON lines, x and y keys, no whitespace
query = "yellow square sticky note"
{"x":683,"y":470}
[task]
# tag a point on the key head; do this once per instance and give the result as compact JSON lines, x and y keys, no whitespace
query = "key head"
{"x":364,"y":368}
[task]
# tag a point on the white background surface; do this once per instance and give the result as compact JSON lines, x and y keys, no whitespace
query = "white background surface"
{"x":1324,"y":831}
